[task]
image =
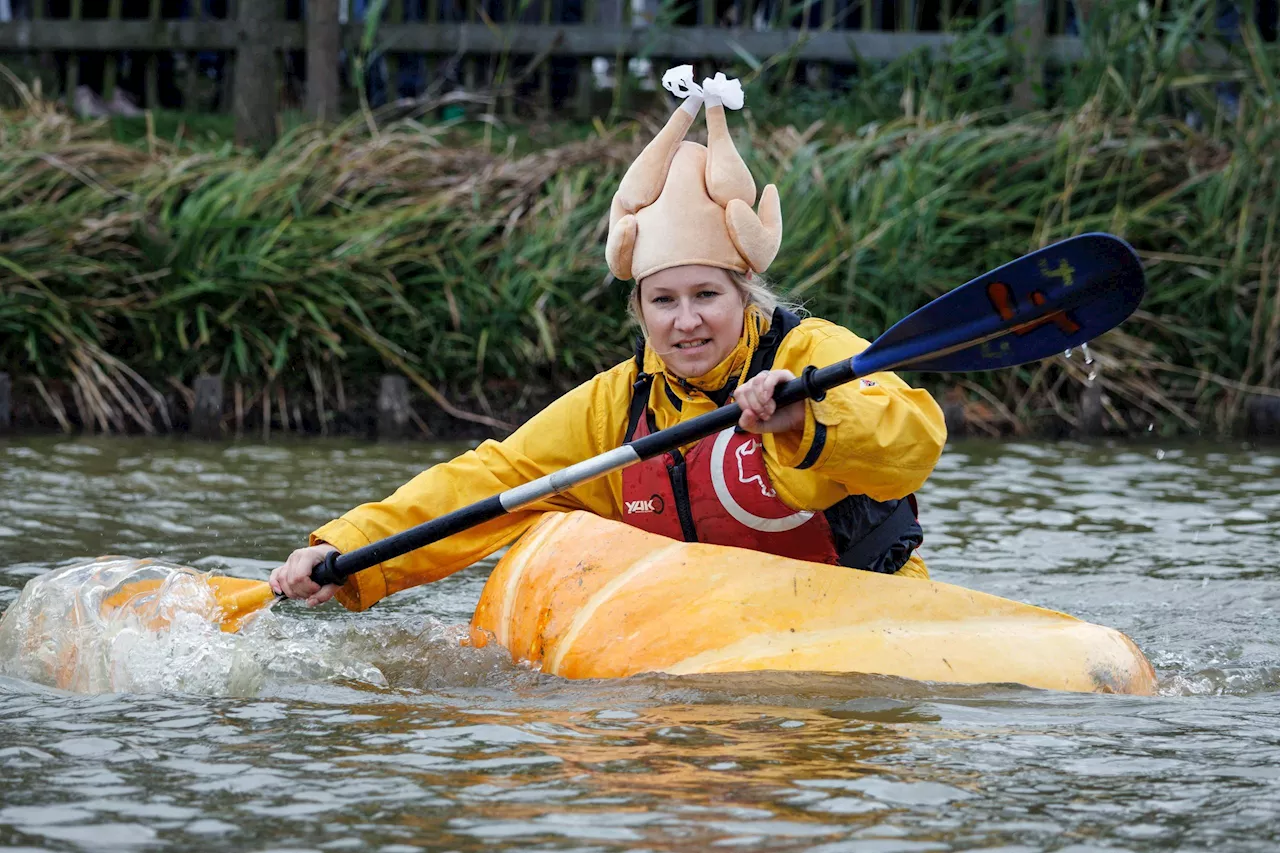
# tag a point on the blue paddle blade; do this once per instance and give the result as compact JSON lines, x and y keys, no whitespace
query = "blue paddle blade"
{"x":1042,"y":304}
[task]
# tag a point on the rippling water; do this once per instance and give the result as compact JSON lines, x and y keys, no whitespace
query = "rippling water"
{"x":379,"y":732}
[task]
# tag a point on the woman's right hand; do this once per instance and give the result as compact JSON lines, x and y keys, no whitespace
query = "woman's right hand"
{"x":293,"y":579}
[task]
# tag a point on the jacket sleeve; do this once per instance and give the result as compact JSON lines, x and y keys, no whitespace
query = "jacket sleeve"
{"x":571,"y":429}
{"x":876,"y":436}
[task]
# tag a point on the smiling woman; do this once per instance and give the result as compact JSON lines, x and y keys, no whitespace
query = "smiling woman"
{"x":825,"y":480}
{"x":692,"y":316}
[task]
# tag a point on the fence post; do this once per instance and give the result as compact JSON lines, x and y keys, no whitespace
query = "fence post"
{"x":1262,"y":418}
{"x":323,"y":37}
{"x":825,"y":75}
{"x":6,"y":416}
{"x":44,"y":60}
{"x":544,"y":73}
{"x":111,"y":67}
{"x":393,"y":407}
{"x":431,"y":63}
{"x":394,"y":13}
{"x":206,"y":413}
{"x":908,"y":13}
{"x":585,"y":95}
{"x":257,"y":74}
{"x":1028,"y":40}
{"x":227,"y":86}
{"x":1091,"y":412}
{"x":953,"y":414}
{"x":470,"y":79}
{"x":190,"y":61}
{"x":73,"y":59}
{"x":152,"y":95}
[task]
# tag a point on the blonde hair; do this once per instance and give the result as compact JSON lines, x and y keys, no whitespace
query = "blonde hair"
{"x":753,"y":287}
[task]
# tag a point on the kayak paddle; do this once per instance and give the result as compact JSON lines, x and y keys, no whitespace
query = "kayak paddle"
{"x":1044,"y":303}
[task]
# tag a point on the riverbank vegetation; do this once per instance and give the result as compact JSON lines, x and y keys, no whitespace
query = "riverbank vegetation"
{"x":469,"y":257}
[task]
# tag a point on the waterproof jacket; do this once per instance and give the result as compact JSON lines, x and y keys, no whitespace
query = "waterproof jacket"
{"x":877,"y":437}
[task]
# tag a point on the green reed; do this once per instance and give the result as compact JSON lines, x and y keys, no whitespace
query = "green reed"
{"x":128,"y":268}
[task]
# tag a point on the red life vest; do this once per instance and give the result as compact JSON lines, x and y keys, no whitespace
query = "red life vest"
{"x":720,"y":492}
{"x":727,"y":500}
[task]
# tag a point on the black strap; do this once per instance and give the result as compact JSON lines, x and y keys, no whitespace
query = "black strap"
{"x":815,"y":449}
{"x":780,"y":326}
{"x":867,"y":550}
{"x":639,"y":393}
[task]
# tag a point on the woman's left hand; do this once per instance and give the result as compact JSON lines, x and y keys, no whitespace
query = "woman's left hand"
{"x":760,"y":414}
{"x":293,"y":579}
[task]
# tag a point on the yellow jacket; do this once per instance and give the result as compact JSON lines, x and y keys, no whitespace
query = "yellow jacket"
{"x":883,"y":439}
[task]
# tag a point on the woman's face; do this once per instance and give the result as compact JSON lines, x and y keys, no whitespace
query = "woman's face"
{"x":693,"y":315}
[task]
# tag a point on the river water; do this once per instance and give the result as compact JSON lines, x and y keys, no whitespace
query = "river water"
{"x":376,"y":731}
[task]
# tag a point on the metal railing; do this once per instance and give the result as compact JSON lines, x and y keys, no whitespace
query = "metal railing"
{"x":546,"y":46}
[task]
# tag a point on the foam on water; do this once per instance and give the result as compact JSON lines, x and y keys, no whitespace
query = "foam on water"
{"x":62,"y":632}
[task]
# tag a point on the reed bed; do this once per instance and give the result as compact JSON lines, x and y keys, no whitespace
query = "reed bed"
{"x":127,"y":269}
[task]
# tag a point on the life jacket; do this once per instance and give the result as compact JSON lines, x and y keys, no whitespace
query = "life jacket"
{"x":720,"y":491}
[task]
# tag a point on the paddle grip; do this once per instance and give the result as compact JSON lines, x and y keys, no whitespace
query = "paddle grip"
{"x":815,"y":382}
{"x":326,"y":571}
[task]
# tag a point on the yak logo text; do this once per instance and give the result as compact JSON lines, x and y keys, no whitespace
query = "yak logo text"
{"x":654,"y":504}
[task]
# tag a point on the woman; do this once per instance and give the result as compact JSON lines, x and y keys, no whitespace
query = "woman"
{"x":827,"y":480}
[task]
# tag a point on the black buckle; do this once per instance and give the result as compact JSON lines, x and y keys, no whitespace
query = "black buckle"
{"x":811,"y":390}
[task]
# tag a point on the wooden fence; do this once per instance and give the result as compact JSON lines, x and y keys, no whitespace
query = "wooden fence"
{"x":536,"y":50}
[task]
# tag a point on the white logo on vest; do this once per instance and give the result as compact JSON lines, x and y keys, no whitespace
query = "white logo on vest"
{"x":731,"y":505}
{"x":749,"y":449}
{"x":655,"y":505}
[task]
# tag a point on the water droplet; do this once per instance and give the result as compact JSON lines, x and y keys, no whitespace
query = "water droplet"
{"x":1088,"y":359}
{"x":1151,"y":426}
{"x":1093,"y":374}
{"x":1159,"y":454}
{"x":1067,"y":354}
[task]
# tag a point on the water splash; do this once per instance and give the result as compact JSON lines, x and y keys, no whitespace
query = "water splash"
{"x":118,"y":624}
{"x":1222,"y":681}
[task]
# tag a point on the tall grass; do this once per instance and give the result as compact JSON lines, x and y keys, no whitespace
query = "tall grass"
{"x":126,"y":269}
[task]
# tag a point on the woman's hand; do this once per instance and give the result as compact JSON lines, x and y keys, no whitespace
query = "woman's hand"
{"x":760,"y":414}
{"x":293,"y":579}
